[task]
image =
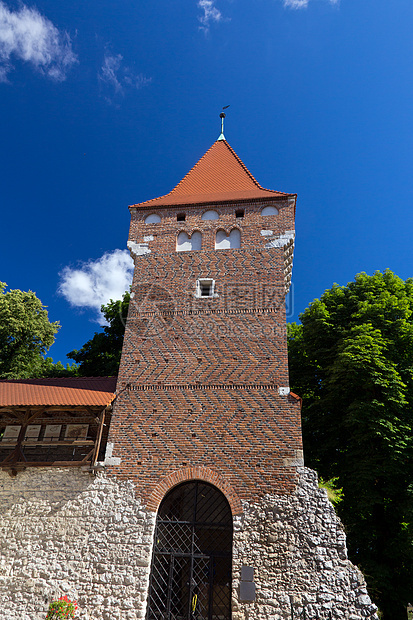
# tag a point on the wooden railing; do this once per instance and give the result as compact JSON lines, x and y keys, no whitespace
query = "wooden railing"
{"x":17,"y":460}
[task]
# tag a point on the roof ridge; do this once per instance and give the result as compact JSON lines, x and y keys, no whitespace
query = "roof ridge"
{"x":244,"y":166}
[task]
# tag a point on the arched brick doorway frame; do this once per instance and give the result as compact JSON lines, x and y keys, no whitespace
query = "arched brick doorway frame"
{"x":194,"y":473}
{"x":191,"y":567}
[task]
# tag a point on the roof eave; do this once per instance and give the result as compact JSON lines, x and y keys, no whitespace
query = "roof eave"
{"x":47,"y":406}
{"x":147,"y":205}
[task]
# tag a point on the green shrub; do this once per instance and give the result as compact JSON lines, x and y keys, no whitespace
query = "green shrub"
{"x":62,"y":609}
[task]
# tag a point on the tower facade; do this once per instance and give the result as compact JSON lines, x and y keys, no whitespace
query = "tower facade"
{"x":203,"y":382}
{"x":205,"y":425}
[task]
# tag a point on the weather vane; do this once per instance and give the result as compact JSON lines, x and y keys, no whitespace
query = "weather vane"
{"x":222,"y":116}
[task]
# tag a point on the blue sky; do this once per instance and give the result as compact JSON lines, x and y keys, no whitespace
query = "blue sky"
{"x":105,"y":104}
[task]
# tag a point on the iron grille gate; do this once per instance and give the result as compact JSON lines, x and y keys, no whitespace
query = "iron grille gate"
{"x":192,"y":557}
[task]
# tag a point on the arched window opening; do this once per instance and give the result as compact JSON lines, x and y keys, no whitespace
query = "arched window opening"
{"x":185,"y":243}
{"x":224,"y":241}
{"x":210,"y":215}
{"x":269,"y":211}
{"x":192,"y":555}
{"x":153,"y":218}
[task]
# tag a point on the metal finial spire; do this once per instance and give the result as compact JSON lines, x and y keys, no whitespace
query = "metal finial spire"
{"x":222,"y":116}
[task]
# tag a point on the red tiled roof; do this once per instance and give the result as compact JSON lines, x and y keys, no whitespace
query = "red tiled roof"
{"x":219,"y":176}
{"x":64,"y":392}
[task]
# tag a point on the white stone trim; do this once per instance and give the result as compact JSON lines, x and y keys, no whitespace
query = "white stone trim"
{"x":109,"y":459}
{"x":281,"y":240}
{"x":138,"y":249}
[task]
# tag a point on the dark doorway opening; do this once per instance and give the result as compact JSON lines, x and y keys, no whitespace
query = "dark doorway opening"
{"x":192,"y":556}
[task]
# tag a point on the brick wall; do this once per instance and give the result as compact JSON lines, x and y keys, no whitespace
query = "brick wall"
{"x":199,"y":383}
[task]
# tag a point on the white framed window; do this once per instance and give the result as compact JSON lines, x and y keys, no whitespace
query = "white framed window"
{"x":205,"y":288}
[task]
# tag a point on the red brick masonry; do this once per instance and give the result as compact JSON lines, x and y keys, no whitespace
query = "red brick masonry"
{"x":198,"y":390}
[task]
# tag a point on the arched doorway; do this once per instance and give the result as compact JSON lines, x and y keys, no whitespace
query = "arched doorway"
{"x":192,"y":555}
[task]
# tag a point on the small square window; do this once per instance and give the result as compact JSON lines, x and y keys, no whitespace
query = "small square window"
{"x":181,"y":217}
{"x":239,"y":213}
{"x":205,"y":288}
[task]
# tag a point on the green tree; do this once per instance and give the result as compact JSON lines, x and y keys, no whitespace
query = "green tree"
{"x":351,"y":360}
{"x":26,"y":334}
{"x":52,"y":369}
{"x":100,"y":356}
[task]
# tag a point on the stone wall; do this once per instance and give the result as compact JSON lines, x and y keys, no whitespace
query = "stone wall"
{"x":64,"y":531}
{"x":297,"y":547}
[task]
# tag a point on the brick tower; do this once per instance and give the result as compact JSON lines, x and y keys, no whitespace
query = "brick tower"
{"x":203,"y":383}
{"x":205,"y":425}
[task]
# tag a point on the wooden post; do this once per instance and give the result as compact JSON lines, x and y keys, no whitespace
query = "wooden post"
{"x":15,"y":455}
{"x":98,"y":438}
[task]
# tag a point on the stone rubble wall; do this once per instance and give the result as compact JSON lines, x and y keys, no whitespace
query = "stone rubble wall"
{"x":297,"y":547}
{"x":63,"y":531}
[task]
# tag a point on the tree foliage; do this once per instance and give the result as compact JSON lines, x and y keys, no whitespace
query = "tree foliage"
{"x":56,"y":369}
{"x":351,"y":360}
{"x":26,"y":334}
{"x":100,"y":356}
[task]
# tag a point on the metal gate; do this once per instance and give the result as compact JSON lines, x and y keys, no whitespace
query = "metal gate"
{"x":192,"y":556}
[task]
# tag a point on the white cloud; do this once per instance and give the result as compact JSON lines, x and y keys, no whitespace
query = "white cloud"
{"x":296,"y":4}
{"x":117,"y":77}
{"x":211,"y":13}
{"x":27,"y":35}
{"x":109,"y":71}
{"x":96,"y":282}
{"x":302,"y":4}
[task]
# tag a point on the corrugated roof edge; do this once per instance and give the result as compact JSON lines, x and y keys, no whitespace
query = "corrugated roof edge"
{"x":94,"y":384}
{"x":59,"y":379}
{"x":57,"y":391}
